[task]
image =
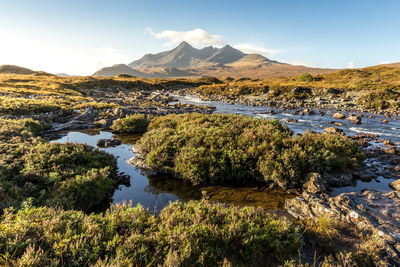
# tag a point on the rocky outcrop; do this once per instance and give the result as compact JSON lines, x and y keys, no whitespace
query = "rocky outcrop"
{"x":371,"y":212}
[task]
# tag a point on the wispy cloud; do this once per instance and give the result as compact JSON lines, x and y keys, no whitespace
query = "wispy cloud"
{"x":200,"y":37}
{"x":251,"y":48}
{"x":351,"y":65}
{"x":197,"y":37}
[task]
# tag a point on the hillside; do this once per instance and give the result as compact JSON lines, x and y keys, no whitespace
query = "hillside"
{"x":119,"y":69}
{"x":12,"y":69}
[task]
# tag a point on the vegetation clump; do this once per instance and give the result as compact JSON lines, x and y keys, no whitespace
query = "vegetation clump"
{"x":305,"y":77}
{"x":197,"y":233}
{"x":215,"y":149}
{"x":135,"y":124}
{"x":64,"y":175}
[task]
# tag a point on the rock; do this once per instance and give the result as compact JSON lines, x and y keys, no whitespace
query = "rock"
{"x":315,"y":184}
{"x":333,"y":130}
{"x":334,"y":91}
{"x":395,"y":185}
{"x":339,"y":180}
{"x":308,"y":111}
{"x":301,"y":90}
{"x":384,"y":121}
{"x":139,"y":162}
{"x":338,"y":115}
{"x":101,"y":123}
{"x":121,"y":112}
{"x":108,"y":142}
{"x":372,"y":212}
{"x":292,"y":120}
{"x":355,"y":119}
{"x":391,"y":150}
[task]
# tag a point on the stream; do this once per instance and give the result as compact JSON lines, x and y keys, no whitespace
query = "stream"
{"x":155,"y":192}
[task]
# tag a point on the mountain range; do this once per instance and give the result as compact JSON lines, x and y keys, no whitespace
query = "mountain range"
{"x":185,"y":60}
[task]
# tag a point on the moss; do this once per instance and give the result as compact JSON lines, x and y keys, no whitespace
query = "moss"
{"x":215,"y":149}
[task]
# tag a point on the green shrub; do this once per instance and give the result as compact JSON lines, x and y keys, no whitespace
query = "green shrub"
{"x":197,"y":233}
{"x":214,"y":149}
{"x":305,"y":77}
{"x":135,"y":124}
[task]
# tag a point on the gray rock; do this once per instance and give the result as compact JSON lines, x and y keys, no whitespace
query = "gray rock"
{"x":108,"y":142}
{"x":371,"y":212}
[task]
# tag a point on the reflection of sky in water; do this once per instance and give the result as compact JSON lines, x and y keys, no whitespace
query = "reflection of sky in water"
{"x":138,"y":191}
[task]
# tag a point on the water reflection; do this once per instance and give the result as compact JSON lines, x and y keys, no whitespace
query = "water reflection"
{"x":155,"y":192}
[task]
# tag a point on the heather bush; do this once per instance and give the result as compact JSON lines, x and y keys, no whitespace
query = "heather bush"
{"x":215,"y":149}
{"x":66,"y":175}
{"x":197,"y":233}
{"x":135,"y":124}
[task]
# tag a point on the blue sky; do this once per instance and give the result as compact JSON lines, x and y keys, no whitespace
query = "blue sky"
{"x":79,"y":37}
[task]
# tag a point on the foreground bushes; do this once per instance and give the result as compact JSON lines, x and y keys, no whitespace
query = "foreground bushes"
{"x":65,"y":175}
{"x":236,"y":149}
{"x":135,"y":124}
{"x":195,"y":233}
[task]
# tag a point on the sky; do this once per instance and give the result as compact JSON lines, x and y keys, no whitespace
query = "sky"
{"x":80,"y":37}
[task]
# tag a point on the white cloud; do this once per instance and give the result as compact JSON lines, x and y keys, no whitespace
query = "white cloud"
{"x":351,"y":65}
{"x":198,"y":37}
{"x":250,"y":48}
{"x":385,"y":62}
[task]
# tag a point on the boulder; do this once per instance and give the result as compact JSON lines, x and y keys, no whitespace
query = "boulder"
{"x":108,"y":142}
{"x":333,"y":130}
{"x":395,"y":185}
{"x":355,"y":119}
{"x":338,"y":115}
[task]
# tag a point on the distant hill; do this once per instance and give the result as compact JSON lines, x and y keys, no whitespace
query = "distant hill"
{"x":146,"y":73}
{"x":119,"y":69}
{"x":12,"y":69}
{"x":185,"y":60}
